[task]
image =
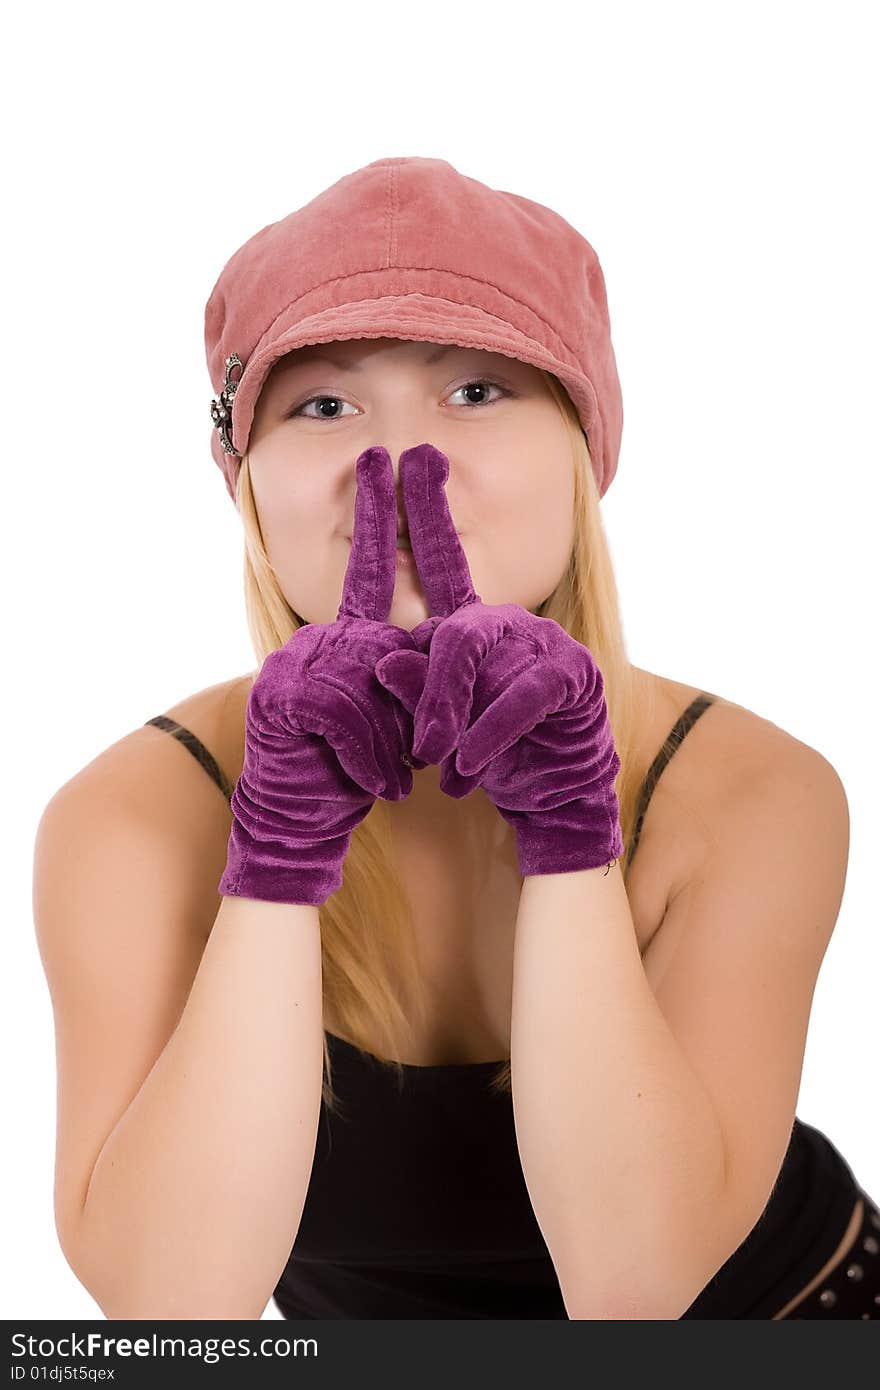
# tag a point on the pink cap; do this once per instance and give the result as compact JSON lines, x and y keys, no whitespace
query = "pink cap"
{"x":410,"y":248}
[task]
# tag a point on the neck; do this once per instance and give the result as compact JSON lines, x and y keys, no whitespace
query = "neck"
{"x":457,"y":851}
{"x":430,"y":814}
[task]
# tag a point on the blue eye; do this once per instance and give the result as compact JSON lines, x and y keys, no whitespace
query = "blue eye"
{"x":472,"y":405}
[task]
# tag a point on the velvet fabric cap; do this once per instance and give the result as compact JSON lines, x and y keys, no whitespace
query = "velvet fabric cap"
{"x":411,"y":248}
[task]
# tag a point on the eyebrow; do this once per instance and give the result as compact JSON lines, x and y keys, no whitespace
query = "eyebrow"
{"x":309,"y":356}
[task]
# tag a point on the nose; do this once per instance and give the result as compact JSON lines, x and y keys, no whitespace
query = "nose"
{"x":395,"y":449}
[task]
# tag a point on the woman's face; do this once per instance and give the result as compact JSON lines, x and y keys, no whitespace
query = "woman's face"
{"x":510,"y":487}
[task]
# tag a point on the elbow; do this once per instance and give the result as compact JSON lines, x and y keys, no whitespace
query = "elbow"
{"x":91,"y":1273}
{"x":73,"y":1248}
{"x":630,"y":1296}
{"x":607,"y":1305}
{"x":126,"y":1295}
{"x":156,"y":1307}
{"x":125,"y":1288}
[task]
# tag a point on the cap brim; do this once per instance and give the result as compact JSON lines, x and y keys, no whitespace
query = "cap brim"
{"x":419,"y":318}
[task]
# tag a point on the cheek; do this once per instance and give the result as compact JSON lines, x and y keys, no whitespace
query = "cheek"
{"x":529,"y":537}
{"x":298,"y":521}
{"x":295,"y":506}
{"x":533,"y":513}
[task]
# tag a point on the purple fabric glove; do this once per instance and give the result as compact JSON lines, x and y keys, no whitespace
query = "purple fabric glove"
{"x":323,"y":738}
{"x":503,"y":699}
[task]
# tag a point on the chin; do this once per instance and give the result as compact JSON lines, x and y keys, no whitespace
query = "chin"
{"x":408,"y":609}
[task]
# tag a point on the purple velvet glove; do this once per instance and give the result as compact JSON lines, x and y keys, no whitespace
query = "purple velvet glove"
{"x":503,"y":699}
{"x":323,"y":738}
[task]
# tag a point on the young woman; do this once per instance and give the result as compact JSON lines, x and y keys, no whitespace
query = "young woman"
{"x":552,"y":923}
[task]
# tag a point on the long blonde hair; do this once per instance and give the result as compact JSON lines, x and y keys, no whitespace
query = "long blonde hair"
{"x":371,"y":974}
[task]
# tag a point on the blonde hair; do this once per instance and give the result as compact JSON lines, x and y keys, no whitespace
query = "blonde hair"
{"x":371,"y":973}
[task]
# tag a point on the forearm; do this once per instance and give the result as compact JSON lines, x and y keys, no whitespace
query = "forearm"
{"x":196,"y":1196}
{"x":620,"y":1144}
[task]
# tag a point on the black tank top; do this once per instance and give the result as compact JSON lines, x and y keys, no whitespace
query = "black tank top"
{"x":417,"y":1205}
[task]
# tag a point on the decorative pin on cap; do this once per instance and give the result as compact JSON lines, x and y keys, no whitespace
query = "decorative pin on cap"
{"x":221,"y":406}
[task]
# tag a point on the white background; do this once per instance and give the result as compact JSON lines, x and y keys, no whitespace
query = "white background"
{"x":721,"y":160}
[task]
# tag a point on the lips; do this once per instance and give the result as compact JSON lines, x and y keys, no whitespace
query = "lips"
{"x":405,"y":536}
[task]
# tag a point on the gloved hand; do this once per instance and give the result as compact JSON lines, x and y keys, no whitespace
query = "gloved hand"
{"x":503,"y":699}
{"x":323,"y":738}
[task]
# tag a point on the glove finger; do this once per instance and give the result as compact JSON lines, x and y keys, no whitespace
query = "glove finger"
{"x":403,"y":674}
{"x":423,"y":632}
{"x":437,"y":550}
{"x":403,"y":719}
{"x":359,"y":742}
{"x":368,"y":588}
{"x":459,"y":649}
{"x":516,"y":711}
{"x":453,"y":783}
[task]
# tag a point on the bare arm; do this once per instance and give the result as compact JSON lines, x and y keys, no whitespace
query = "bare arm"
{"x":196,"y":1197}
{"x":189,"y":1073}
{"x":654,"y":1099}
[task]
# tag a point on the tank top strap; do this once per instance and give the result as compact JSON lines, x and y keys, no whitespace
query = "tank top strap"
{"x":201,"y":754}
{"x":668,"y":749}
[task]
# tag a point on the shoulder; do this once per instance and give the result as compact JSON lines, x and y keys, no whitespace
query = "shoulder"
{"x":733,"y":765}
{"x":216,"y":716}
{"x":726,"y":751}
{"x":740,"y":757}
{"x":148,"y":795}
{"x":768,"y":848}
{"x":769,"y":780}
{"x":148,"y":768}
{"x":141,"y":816}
